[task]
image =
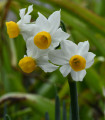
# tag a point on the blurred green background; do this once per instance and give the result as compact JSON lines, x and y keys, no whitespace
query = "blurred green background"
{"x":29,"y":96}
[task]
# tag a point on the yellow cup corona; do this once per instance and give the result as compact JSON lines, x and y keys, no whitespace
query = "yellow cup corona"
{"x":42,"y":40}
{"x":12,"y":29}
{"x":27,"y":64}
{"x":77,"y":63}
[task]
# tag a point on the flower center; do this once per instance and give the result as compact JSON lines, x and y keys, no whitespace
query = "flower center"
{"x":12,"y":29}
{"x":42,"y":40}
{"x":77,"y":62}
{"x":27,"y":64}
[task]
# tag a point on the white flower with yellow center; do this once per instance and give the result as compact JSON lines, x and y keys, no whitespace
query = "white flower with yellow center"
{"x":14,"y":29}
{"x":73,"y":58}
{"x":46,"y":34}
{"x":35,"y":59}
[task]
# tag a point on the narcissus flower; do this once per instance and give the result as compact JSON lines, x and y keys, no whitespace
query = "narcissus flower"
{"x":46,"y":33}
{"x":73,"y":58}
{"x":14,"y":29}
{"x":35,"y":59}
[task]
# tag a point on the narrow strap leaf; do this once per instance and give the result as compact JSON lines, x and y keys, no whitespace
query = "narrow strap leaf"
{"x":70,"y":114}
{"x":57,"y":108}
{"x":47,"y":116}
{"x":5,"y":110}
{"x":64,"y":111}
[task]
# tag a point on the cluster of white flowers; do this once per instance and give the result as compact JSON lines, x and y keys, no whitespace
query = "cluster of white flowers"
{"x":42,"y":37}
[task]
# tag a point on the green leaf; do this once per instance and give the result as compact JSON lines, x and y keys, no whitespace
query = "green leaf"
{"x":47,"y":116}
{"x":12,"y":82}
{"x":36,"y":102}
{"x":64,"y":111}
{"x":57,"y":108}
{"x":94,"y":81}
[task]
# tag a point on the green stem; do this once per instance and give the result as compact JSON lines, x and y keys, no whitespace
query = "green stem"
{"x":74,"y":99}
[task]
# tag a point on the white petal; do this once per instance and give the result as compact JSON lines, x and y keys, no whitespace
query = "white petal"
{"x":83,"y":48}
{"x":30,"y":9}
{"x":27,"y":17}
{"x":54,"y":45}
{"x":69,"y":48}
{"x":42,"y":22}
{"x":89,"y":56}
{"x":43,"y":63}
{"x":32,"y":50}
{"x":59,"y":35}
{"x":89,"y":64}
{"x":89,"y":59}
{"x":43,"y":52}
{"x":65,"y":70}
{"x":54,"y":20}
{"x":78,"y":76}
{"x":57,"y":57}
{"x":22,"y":12}
{"x":28,"y":30}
